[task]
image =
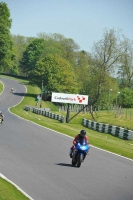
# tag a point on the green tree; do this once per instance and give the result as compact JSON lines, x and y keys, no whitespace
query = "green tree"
{"x":82,"y":70}
{"x":19,"y":45}
{"x":56,"y":73}
{"x":125,"y":98}
{"x":106,"y":55}
{"x":31,"y":55}
{"x":51,"y":45}
{"x":125,"y":72}
{"x":6,"y":44}
{"x":65,"y":47}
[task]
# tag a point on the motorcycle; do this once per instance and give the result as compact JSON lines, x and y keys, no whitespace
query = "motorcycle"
{"x":0,"y":120}
{"x":79,"y":154}
{"x":12,"y":90}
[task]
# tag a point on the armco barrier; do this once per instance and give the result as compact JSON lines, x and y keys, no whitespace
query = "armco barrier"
{"x":107,"y":128}
{"x":45,"y":112}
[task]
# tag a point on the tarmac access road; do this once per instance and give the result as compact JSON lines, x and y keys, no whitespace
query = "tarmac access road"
{"x":36,"y":159}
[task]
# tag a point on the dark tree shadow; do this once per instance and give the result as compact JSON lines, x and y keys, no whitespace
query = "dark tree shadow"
{"x":25,"y":94}
{"x":23,"y":83}
{"x":19,"y":94}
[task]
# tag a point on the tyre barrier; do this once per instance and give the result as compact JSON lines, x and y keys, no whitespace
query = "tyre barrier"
{"x":116,"y":131}
{"x":27,"y":108}
{"x":45,"y":112}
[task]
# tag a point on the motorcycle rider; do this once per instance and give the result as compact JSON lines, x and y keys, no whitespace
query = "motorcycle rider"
{"x":1,"y":116}
{"x":12,"y":90}
{"x":79,"y":138}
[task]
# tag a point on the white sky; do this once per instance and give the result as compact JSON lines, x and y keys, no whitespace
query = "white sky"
{"x":82,"y":20}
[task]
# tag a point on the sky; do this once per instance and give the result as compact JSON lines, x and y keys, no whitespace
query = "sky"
{"x":84,"y":21}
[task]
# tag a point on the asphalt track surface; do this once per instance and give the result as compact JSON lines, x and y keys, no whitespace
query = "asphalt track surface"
{"x":36,"y":159}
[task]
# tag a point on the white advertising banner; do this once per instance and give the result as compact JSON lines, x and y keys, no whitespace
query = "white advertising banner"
{"x":69,"y":98}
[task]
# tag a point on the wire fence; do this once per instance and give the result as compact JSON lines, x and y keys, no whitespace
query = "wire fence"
{"x":118,"y":111}
{"x":124,"y":113}
{"x":75,"y":108}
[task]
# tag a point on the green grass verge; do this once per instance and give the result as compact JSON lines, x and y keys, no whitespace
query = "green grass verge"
{"x":1,"y":87}
{"x":9,"y":192}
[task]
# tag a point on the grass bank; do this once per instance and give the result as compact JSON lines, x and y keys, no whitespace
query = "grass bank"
{"x":9,"y":192}
{"x":1,"y":87}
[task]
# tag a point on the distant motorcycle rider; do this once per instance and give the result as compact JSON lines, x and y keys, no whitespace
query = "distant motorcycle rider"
{"x":1,"y":116}
{"x":81,"y":137}
{"x":12,"y":90}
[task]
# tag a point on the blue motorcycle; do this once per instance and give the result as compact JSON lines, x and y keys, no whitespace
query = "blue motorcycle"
{"x":79,"y":154}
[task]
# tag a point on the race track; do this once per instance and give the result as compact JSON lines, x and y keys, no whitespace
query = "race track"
{"x":36,"y":159}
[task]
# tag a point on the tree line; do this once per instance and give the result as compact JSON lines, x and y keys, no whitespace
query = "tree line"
{"x":105,"y":73}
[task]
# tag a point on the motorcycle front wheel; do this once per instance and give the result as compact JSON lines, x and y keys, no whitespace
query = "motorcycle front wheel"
{"x":74,"y":162}
{"x":79,"y":159}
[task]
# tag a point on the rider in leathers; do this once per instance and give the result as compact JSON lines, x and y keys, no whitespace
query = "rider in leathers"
{"x":82,"y":137}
